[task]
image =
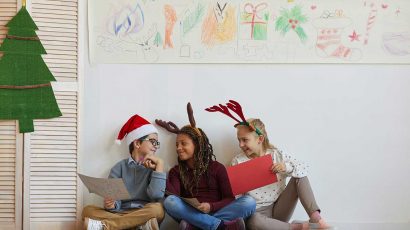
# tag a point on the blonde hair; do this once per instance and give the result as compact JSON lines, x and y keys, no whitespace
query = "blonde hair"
{"x":257,"y":123}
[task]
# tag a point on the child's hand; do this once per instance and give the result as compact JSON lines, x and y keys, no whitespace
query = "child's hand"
{"x":279,"y":168}
{"x":109,"y":203}
{"x":205,"y":207}
{"x":153,"y":162}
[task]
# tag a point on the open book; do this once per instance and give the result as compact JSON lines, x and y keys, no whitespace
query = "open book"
{"x":113,"y":188}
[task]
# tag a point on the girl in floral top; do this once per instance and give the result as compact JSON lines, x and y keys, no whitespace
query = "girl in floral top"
{"x":275,"y":202}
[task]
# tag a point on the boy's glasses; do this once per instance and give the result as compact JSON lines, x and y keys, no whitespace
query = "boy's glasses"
{"x":154,"y":142}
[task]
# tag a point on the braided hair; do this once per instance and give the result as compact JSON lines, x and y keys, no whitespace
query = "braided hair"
{"x":203,"y":155}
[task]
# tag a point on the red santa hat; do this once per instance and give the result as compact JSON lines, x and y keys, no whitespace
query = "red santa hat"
{"x":135,"y":128}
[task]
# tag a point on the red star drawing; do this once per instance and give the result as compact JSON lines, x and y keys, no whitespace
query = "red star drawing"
{"x":354,"y":36}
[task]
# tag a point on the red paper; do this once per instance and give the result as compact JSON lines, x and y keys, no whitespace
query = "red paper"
{"x":251,"y":174}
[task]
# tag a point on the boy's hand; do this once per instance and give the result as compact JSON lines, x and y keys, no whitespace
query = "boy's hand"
{"x":153,"y":162}
{"x":109,"y":203}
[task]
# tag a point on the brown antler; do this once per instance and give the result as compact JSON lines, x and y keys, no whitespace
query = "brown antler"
{"x":170,"y":126}
{"x":191,"y":115}
{"x":223,"y":109}
{"x":236,"y":107}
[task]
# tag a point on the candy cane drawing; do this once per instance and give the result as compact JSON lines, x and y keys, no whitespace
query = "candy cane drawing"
{"x":370,"y":21}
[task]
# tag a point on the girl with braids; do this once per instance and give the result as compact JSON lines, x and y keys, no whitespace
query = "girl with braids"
{"x":198,"y":175}
{"x":275,"y":202}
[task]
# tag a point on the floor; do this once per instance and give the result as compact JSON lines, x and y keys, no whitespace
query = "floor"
{"x":371,"y":226}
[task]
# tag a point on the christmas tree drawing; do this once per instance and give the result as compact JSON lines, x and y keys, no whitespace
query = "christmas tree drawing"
{"x":25,"y":88}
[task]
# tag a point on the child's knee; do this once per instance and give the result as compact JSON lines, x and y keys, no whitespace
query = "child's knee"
{"x":87,"y":210}
{"x":158,"y":211}
{"x":248,"y":201}
{"x":253,"y":222}
{"x":171,"y":203}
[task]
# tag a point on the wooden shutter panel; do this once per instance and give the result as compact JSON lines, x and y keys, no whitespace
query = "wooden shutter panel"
{"x":8,"y":8}
{"x":7,"y":171}
{"x":53,"y":166}
{"x":58,"y":32}
{"x":53,"y":187}
{"x":10,"y":176}
{"x":10,"y":149}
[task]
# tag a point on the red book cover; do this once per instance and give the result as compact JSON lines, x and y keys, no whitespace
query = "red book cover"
{"x":251,"y":174}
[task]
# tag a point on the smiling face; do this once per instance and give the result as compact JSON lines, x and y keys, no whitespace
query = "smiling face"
{"x":185,"y":147}
{"x":145,"y":147}
{"x":249,"y":141}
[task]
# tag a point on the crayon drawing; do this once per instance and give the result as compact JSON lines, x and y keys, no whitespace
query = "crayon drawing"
{"x":249,"y":31}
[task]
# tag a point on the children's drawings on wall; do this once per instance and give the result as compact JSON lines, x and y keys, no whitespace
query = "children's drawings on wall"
{"x":329,"y":43}
{"x":219,"y":26}
{"x":371,"y":20}
{"x":254,"y":20}
{"x":397,"y":43}
{"x":246,"y":31}
{"x":170,"y":19}
{"x":292,"y":20}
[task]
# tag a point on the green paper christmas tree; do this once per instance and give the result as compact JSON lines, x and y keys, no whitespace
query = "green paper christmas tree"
{"x":25,"y":88}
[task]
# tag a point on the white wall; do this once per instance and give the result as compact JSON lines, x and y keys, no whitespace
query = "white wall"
{"x":349,"y":122}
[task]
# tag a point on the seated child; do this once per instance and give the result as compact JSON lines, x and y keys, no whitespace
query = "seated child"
{"x":276,"y":202}
{"x":143,"y":175}
{"x":199,"y":175}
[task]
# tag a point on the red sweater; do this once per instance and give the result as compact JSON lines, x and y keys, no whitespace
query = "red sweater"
{"x":218,"y":193}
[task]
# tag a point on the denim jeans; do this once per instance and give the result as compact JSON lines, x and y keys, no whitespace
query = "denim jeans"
{"x":242,"y":207}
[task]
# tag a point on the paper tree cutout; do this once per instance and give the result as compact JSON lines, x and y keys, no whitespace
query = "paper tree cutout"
{"x":25,"y":88}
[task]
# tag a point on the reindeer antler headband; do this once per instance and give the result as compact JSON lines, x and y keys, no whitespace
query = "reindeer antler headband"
{"x":171,"y":127}
{"x":236,"y":108}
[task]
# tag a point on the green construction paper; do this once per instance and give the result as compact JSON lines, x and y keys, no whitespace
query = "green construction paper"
{"x":22,"y":46}
{"x":28,"y":104}
{"x":22,"y":32}
{"x":24,"y":70}
{"x":22,"y":65}
{"x":26,"y":125}
{"x":22,"y":20}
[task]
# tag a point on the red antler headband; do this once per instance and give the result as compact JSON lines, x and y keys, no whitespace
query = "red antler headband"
{"x":236,"y":108}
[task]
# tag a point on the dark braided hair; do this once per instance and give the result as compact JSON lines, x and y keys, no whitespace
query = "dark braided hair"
{"x":203,"y":155}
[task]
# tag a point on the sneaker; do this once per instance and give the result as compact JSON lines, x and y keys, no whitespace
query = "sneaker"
{"x":91,"y":224}
{"x":184,"y":225}
{"x":151,"y":224}
{"x":237,"y":224}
